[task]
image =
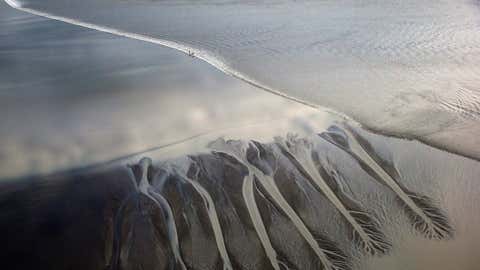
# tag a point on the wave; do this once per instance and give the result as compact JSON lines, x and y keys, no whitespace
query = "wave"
{"x":191,"y":51}
{"x":400,"y":70}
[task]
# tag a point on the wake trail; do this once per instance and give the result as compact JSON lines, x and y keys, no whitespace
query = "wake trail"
{"x":213,"y":60}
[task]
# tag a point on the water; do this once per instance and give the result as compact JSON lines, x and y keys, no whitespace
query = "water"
{"x":411,"y":64}
{"x":86,"y":94}
{"x":339,"y":199}
{"x":122,"y":154}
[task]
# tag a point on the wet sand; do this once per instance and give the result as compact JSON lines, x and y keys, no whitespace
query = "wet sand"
{"x":139,"y":213}
{"x":154,"y":160}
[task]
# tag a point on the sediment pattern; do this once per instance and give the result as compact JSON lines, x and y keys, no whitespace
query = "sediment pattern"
{"x":226,"y":209}
{"x":426,"y":217}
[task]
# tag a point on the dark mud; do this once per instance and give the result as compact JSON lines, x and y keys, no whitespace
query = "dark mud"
{"x":287,"y":204}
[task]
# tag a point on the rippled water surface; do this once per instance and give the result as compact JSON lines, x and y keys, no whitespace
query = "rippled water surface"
{"x":411,"y":65}
{"x":117,"y":153}
{"x":72,"y":97}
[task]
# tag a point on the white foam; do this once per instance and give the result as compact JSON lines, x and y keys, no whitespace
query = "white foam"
{"x":215,"y":61}
{"x":13,"y":4}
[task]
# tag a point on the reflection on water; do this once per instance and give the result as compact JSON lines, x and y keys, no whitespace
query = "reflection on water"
{"x":341,"y":198}
{"x":192,"y":169}
{"x":71,"y":97}
{"x":410,"y":65}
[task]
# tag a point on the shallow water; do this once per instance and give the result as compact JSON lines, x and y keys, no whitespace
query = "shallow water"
{"x":72,"y":97}
{"x":119,"y":154}
{"x":412,"y":64}
{"x":248,"y":204}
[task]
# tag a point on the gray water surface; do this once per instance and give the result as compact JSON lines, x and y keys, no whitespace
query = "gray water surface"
{"x":72,"y":97}
{"x":410,"y":66}
{"x":120,"y":154}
